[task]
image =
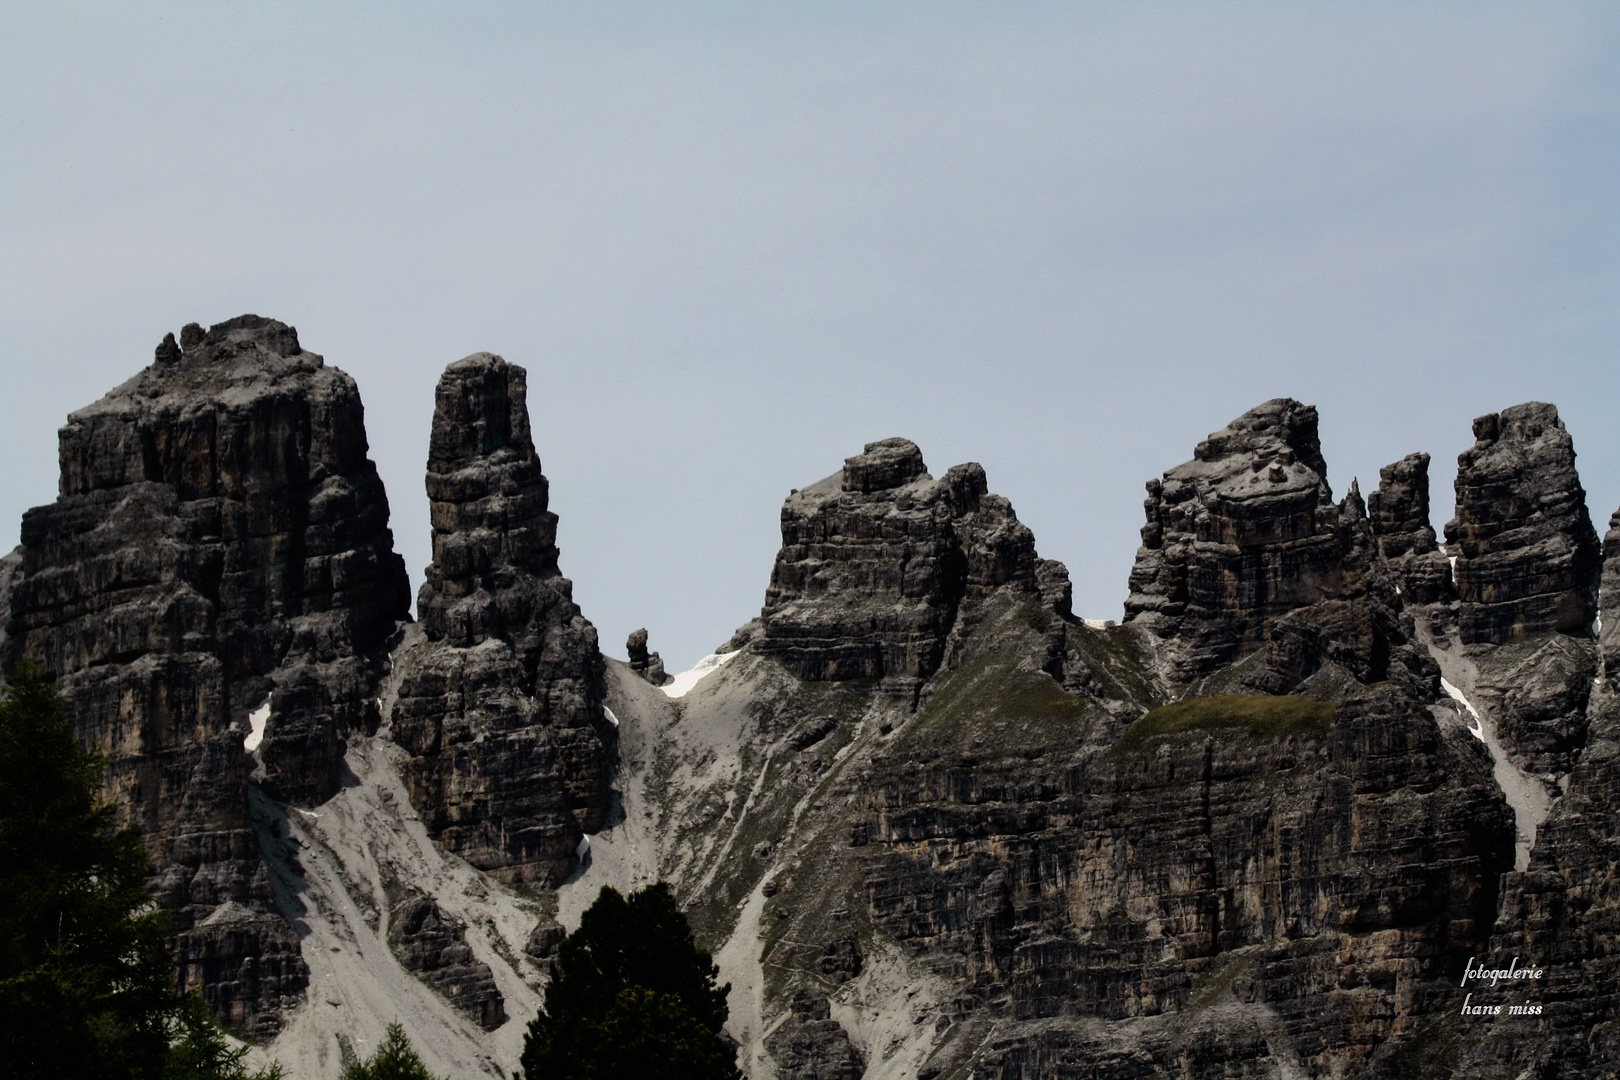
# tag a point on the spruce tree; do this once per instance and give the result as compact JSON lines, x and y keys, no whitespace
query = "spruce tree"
{"x":85,"y":985}
{"x":200,"y":1049}
{"x":394,"y":1060}
{"x":631,"y":994}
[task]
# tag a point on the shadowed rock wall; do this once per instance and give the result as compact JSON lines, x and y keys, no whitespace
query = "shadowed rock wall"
{"x":1245,"y":550}
{"x":880,"y":563}
{"x":1528,"y":557}
{"x":221,"y":540}
{"x":500,"y":700}
{"x":1399,"y":514}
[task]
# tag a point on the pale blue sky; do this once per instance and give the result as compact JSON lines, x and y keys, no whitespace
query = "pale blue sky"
{"x":733,"y":242}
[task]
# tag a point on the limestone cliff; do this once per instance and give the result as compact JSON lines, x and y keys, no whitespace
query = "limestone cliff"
{"x":220,"y":544}
{"x":500,"y":697}
{"x":881,"y":563}
{"x":1528,"y":559}
{"x":930,"y":824}
{"x":1399,"y":514}
{"x":1245,"y":553}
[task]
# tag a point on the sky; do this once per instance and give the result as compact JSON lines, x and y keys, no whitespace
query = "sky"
{"x":733,"y":243}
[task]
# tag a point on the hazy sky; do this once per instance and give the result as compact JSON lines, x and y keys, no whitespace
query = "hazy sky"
{"x":734,"y":242}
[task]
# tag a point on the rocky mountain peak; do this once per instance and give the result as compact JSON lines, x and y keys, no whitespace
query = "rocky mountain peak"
{"x":219,"y":560}
{"x":1242,"y":549}
{"x":1280,"y":430}
{"x":881,"y":562}
{"x":500,"y":697}
{"x":481,"y":412}
{"x":885,"y":464}
{"x":1399,"y":513}
{"x":1528,"y":559}
{"x":492,"y":529}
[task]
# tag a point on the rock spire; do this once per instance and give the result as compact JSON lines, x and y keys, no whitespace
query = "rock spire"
{"x":500,"y":695}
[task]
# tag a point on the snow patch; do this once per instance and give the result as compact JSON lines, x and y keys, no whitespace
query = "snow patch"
{"x":608,"y":713}
{"x":683,"y":683}
{"x":1528,"y":796}
{"x":1100,"y":624}
{"x":583,"y":848}
{"x":257,"y":720}
{"x":1478,"y":728}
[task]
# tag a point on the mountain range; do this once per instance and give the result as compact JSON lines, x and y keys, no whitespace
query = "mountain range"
{"x":1326,"y":765}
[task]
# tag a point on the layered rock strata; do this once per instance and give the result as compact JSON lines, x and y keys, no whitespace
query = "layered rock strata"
{"x":1399,"y":515}
{"x":881,"y":563}
{"x":1561,"y":915}
{"x":811,"y":1045}
{"x":500,"y":699}
{"x":1244,"y":550}
{"x":433,"y":946}
{"x":220,"y":543}
{"x":1528,"y":559}
{"x":1336,"y":880}
{"x":1610,"y":594}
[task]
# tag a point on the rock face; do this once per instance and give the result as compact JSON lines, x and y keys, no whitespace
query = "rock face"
{"x":433,"y":946}
{"x":221,"y":541}
{"x":1245,"y":550}
{"x":649,"y":665}
{"x":1528,"y":560}
{"x":1315,"y":875}
{"x":811,"y":1045}
{"x":1611,"y":599}
{"x":1559,"y":915}
{"x":881,"y":563}
{"x":500,"y":700}
{"x":1399,"y":514}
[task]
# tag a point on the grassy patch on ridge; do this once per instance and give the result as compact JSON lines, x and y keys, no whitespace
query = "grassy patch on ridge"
{"x":1254,"y":716}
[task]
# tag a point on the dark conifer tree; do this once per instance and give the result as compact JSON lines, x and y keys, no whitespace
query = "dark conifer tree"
{"x":85,"y":985}
{"x":394,"y":1060}
{"x":631,"y":994}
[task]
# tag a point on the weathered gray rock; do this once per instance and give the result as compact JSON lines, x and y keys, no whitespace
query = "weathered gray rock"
{"x":500,"y":701}
{"x":544,"y":939}
{"x":649,"y":665}
{"x":10,"y":573}
{"x":881,"y":563}
{"x":1610,"y":594}
{"x":1245,"y":550}
{"x":811,"y":1045}
{"x":1399,"y":514}
{"x":1538,"y":691}
{"x":1334,"y":879}
{"x":1560,"y":915}
{"x":221,"y":540}
{"x":1528,"y":559}
{"x":433,"y":946}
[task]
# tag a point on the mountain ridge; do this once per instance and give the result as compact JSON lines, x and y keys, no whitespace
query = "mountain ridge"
{"x":914,"y":808}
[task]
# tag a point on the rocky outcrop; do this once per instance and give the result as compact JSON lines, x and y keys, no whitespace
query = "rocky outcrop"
{"x":220,"y":542}
{"x":1610,"y":593}
{"x":811,"y":1045}
{"x":1528,"y":559}
{"x":433,"y":946}
{"x":1335,"y":878}
{"x":1399,"y":515}
{"x":881,"y":563}
{"x":500,"y":697}
{"x":649,"y":665}
{"x":10,"y":574}
{"x":1245,"y":550}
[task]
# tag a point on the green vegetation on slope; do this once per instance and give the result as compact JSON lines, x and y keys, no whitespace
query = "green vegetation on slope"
{"x":1254,"y":716}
